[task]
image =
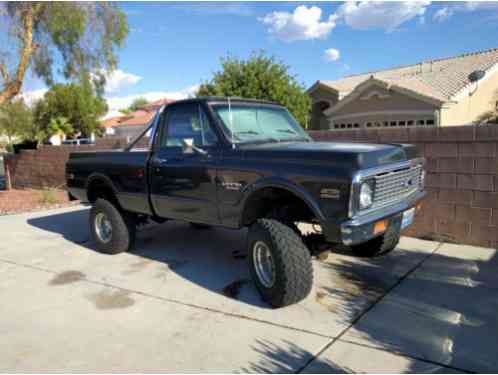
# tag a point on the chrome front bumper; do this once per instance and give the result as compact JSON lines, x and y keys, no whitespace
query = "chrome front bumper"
{"x":361,"y":228}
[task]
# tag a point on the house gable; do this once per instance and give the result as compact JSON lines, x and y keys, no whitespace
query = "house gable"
{"x":378,"y":96}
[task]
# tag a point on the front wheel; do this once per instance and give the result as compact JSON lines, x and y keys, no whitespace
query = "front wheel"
{"x":113,"y":231}
{"x":280,"y":263}
{"x":379,"y":245}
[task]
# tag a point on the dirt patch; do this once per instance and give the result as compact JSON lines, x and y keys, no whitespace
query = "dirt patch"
{"x":18,"y":201}
{"x":108,"y":299}
{"x":322,"y":298}
{"x":67,"y":277}
{"x":137,"y":267}
{"x":232,"y":290}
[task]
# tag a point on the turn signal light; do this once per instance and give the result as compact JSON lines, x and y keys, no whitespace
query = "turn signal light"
{"x":380,"y":227}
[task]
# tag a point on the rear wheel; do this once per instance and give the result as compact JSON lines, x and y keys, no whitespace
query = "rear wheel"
{"x":378,"y":246}
{"x":280,"y":263}
{"x":112,"y":230}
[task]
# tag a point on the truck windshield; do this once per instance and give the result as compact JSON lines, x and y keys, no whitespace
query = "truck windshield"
{"x":255,"y":123}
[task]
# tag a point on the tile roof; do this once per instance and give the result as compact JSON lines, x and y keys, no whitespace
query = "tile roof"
{"x":137,"y":118}
{"x":441,"y":79}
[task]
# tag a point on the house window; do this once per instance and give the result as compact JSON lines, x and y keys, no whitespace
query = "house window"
{"x":401,"y":123}
{"x":429,"y":122}
{"x":393,"y":123}
{"x":421,"y":122}
{"x":369,"y":124}
{"x":350,"y":126}
{"x":343,"y":126}
{"x":356,"y":125}
{"x":409,"y":123}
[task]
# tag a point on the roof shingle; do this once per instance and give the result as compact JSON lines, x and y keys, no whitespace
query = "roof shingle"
{"x":441,"y":79}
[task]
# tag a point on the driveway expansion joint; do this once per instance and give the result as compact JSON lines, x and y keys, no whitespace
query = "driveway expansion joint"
{"x":369,"y":308}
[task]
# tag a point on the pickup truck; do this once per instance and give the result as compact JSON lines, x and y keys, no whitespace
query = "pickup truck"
{"x":238,"y":163}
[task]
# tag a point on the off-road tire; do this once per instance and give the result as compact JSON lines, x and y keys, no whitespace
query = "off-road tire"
{"x":379,"y":245}
{"x":123,"y":228}
{"x":200,"y":226}
{"x":292,"y":261}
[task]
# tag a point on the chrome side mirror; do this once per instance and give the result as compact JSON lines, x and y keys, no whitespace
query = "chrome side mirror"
{"x":190,"y":148}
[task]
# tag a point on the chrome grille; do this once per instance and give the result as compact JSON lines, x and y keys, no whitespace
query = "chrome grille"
{"x":396,"y":185}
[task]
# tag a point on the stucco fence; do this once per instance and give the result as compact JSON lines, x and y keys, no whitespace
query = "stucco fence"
{"x":462,"y":178}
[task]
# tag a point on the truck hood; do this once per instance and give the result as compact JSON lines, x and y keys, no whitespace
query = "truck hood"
{"x":352,"y":155}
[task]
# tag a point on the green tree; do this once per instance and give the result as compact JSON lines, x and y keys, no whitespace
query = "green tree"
{"x":16,"y":121}
{"x":58,"y":126}
{"x":78,"y":104}
{"x":135,"y":105}
{"x":259,"y":77}
{"x":74,"y":38}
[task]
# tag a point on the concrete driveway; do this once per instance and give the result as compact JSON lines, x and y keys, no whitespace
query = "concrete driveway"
{"x":183,"y":301}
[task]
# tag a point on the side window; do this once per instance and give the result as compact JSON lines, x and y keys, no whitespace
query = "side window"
{"x":209,"y":137}
{"x":187,"y":122}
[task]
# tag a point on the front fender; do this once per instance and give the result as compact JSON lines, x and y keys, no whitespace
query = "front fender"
{"x":278,"y":182}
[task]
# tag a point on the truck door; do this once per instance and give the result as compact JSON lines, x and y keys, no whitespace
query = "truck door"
{"x":182,"y":178}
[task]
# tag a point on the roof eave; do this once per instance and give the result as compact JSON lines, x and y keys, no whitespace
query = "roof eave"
{"x":320,"y":84}
{"x":375,"y":81}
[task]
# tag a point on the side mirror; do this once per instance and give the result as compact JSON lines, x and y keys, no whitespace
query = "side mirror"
{"x":190,"y":148}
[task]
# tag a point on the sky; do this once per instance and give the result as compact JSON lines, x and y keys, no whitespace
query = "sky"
{"x":173,"y":47}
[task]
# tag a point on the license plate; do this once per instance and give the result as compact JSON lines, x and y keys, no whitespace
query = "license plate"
{"x":408,"y":216}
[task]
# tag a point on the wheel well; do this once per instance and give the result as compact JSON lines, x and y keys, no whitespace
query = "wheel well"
{"x":99,"y":188}
{"x":276,"y":203}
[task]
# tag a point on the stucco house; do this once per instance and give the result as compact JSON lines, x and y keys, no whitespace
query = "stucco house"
{"x":451,"y":91}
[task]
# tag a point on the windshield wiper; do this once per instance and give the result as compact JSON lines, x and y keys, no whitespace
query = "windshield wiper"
{"x":289,"y":131}
{"x":252,"y":132}
{"x":248,"y":132}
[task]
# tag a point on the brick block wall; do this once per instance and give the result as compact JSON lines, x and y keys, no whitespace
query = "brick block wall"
{"x":462,"y":176}
{"x":45,"y":167}
{"x":462,"y":179}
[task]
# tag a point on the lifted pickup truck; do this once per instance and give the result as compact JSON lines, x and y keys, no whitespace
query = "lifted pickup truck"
{"x":245,"y":163}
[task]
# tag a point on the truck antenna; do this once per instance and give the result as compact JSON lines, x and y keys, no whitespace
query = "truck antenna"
{"x":230,"y":121}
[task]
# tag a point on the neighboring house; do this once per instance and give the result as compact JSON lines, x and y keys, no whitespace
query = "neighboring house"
{"x":441,"y":92}
{"x":133,"y":123}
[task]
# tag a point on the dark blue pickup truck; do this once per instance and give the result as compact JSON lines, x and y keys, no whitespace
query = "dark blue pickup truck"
{"x":245,"y":163}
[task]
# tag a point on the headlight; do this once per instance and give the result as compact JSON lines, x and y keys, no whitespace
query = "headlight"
{"x":366,"y":196}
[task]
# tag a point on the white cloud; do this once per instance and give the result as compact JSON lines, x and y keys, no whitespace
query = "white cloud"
{"x":448,"y":11}
{"x":331,"y":54}
{"x":302,"y":24}
{"x":31,"y":97}
{"x":379,"y":14}
{"x":119,"y":79}
{"x":443,"y":14}
{"x":121,"y":102}
{"x":481,"y":5}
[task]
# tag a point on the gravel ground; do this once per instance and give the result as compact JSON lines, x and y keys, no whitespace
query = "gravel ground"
{"x":18,"y":201}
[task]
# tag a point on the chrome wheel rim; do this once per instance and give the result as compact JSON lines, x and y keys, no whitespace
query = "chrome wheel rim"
{"x":263,"y":264}
{"x":103,"y":227}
